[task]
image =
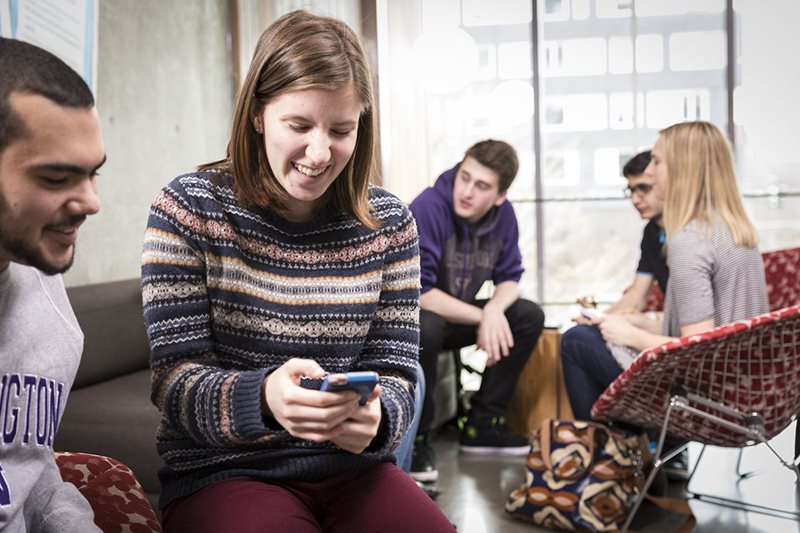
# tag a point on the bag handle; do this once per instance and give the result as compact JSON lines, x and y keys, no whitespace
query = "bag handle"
{"x":545,"y":437}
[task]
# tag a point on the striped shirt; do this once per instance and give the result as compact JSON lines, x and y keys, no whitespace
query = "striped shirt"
{"x":711,"y":277}
{"x":230,"y":294}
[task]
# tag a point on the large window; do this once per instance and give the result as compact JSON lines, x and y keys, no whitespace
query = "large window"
{"x":766,"y":117}
{"x":628,"y":70}
{"x":592,"y":88}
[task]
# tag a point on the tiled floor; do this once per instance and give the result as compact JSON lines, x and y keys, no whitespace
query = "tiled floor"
{"x":474,"y":489}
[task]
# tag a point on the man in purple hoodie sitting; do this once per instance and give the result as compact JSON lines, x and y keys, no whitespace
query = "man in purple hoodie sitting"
{"x":468,"y":234}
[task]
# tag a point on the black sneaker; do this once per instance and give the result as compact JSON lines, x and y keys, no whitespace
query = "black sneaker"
{"x":430,"y":490}
{"x":677,"y":468}
{"x":423,"y":461}
{"x":492,"y":437}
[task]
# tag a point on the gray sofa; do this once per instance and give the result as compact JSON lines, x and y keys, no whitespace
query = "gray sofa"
{"x":109,"y":411}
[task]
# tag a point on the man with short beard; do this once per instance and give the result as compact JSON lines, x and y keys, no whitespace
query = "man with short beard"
{"x":50,"y":151}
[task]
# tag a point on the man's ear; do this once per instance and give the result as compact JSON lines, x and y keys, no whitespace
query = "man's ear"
{"x":501,"y":197}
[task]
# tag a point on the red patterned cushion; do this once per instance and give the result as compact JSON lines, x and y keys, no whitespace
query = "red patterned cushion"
{"x":782,"y":270}
{"x":116,"y":497}
{"x":752,"y":365}
{"x":655,"y":299}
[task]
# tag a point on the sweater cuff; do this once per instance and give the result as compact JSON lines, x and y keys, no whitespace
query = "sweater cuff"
{"x":390,"y":434}
{"x":247,"y":418}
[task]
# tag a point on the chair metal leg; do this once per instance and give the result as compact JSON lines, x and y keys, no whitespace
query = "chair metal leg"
{"x":746,"y":506}
{"x":739,"y":473}
{"x":796,"y":440}
{"x":658,"y":462}
{"x":751,"y":426}
{"x":696,"y":464}
{"x":755,"y":433}
{"x":640,"y":497}
{"x":791,"y":465}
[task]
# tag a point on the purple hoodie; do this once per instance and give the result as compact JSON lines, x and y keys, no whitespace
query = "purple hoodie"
{"x":457,"y":257}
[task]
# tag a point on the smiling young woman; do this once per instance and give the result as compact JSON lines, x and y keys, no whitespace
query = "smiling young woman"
{"x":312,"y":136}
{"x":277,"y":263}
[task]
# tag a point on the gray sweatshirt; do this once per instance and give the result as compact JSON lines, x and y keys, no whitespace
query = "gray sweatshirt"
{"x":40,"y":348}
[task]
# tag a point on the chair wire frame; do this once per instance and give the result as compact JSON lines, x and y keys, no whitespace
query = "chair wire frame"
{"x":734,"y":386}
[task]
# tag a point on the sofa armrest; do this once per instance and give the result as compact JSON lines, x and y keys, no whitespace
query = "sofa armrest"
{"x":115,"y":340}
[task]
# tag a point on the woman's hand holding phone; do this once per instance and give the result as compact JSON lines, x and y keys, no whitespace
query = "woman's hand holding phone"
{"x":306,"y":413}
{"x":358,"y":431}
{"x":309,"y":414}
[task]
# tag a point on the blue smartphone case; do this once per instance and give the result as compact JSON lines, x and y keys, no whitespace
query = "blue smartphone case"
{"x":361,"y":382}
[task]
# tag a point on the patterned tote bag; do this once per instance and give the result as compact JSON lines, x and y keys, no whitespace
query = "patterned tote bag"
{"x":581,"y":476}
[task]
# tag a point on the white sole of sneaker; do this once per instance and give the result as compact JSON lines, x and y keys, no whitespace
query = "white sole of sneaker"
{"x":515,"y":451}
{"x":424,"y":477}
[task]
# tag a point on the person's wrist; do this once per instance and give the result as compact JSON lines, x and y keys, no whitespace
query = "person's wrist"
{"x":493,"y":307}
{"x":266,"y":412}
{"x":642,"y":338}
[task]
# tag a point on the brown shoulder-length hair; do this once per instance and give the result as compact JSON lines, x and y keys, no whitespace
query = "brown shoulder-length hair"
{"x":301,"y":51}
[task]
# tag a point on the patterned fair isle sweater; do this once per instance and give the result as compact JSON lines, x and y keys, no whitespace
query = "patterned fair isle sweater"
{"x":230,"y":294}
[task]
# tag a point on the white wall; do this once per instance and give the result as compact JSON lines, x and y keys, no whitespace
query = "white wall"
{"x":165,"y":94}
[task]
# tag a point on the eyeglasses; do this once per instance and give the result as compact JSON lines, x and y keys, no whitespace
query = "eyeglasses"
{"x":642,"y":188}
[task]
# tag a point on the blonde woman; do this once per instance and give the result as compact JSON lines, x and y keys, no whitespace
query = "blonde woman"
{"x":277,"y":264}
{"x":716,"y":275}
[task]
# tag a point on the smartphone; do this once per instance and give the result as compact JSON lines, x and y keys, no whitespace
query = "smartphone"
{"x":361,"y":382}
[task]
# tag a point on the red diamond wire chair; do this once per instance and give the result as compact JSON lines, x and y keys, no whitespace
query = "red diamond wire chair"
{"x":733,"y":386}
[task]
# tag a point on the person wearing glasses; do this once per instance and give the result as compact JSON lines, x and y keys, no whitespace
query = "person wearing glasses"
{"x":653,"y":261}
{"x":715,"y":268}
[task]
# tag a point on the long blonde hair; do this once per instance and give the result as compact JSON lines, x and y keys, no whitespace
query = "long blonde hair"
{"x":302,"y":51}
{"x":702,"y":181}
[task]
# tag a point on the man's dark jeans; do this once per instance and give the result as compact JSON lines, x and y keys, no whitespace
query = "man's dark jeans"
{"x":526,"y":321}
{"x":588,"y":368}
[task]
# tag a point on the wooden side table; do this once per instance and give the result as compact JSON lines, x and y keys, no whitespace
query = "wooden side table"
{"x":540,"y":392}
